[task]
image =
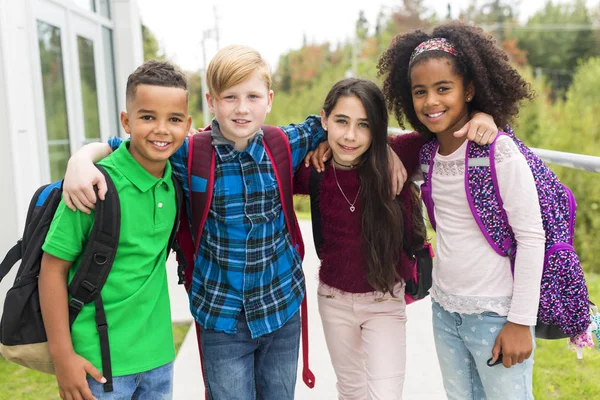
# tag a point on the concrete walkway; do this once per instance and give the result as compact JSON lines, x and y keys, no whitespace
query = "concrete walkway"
{"x":423,"y":378}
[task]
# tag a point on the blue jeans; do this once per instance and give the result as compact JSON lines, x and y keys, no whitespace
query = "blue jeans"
{"x":464,"y":343}
{"x":237,"y":367}
{"x":156,"y":384}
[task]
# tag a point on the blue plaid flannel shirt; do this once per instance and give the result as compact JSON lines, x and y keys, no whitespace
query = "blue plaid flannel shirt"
{"x":246,"y":259}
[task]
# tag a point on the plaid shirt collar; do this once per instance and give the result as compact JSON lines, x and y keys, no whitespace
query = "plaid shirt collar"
{"x":225,"y":148}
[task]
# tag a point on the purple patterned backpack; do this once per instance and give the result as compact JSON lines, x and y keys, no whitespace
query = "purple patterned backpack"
{"x":564,"y":309}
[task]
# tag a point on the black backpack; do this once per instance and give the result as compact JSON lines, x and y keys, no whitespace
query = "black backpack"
{"x":22,"y":333}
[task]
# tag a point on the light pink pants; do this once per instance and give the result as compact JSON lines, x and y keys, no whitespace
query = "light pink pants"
{"x":366,"y":339}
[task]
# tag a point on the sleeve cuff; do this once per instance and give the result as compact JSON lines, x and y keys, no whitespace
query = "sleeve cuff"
{"x":522,"y":320}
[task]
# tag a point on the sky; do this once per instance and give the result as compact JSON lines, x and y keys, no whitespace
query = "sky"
{"x":273,"y":27}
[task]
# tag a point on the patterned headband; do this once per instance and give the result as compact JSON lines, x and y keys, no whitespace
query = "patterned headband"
{"x":440,"y":44}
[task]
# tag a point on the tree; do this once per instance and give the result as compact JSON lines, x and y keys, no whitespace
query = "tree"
{"x":493,"y":15}
{"x":152,"y":49}
{"x":413,"y":14}
{"x":362,"y":26}
{"x":556,"y":39}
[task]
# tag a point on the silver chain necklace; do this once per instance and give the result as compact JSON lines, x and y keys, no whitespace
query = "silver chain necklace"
{"x":352,"y":208}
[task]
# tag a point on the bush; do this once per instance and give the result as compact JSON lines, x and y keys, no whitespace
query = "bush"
{"x":572,"y":126}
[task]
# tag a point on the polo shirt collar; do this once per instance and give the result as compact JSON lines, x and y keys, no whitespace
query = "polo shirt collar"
{"x":225,"y":148}
{"x":134,"y":172}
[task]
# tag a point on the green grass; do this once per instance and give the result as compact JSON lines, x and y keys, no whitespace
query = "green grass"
{"x":25,"y":384}
{"x":179,"y":332}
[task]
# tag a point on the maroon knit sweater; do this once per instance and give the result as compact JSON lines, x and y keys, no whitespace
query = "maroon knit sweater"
{"x":343,"y":264}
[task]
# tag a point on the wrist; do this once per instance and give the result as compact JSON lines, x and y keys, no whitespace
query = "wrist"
{"x":59,"y":352}
{"x":518,"y":326}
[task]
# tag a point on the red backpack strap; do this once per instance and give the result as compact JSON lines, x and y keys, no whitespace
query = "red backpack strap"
{"x":201,"y":167}
{"x":201,"y":175}
{"x":278,"y":149}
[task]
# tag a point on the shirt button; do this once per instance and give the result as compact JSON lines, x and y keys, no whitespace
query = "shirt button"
{"x":248,"y":182}
{"x":160,"y":205}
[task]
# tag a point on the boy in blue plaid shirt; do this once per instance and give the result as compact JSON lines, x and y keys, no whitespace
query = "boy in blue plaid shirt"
{"x":248,"y":283}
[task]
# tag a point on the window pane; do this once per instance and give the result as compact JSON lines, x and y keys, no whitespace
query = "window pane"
{"x":89,"y":97}
{"x":53,"y":82}
{"x":111,"y":83}
{"x":58,"y":155}
{"x":87,"y":4}
{"x":104,"y":8}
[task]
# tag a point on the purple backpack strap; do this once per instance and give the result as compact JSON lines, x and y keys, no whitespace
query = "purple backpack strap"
{"x":426,"y":156}
{"x":483,"y":193}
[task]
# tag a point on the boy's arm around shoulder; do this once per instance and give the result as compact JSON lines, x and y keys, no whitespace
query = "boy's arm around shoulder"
{"x":304,"y":137}
{"x":82,"y":175}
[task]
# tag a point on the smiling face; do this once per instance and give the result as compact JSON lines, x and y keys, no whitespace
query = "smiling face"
{"x":158,"y":123}
{"x":348,"y":130}
{"x":439,"y":96}
{"x":242,"y":109}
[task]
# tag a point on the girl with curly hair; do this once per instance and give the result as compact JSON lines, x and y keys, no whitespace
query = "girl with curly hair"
{"x":481,"y":314}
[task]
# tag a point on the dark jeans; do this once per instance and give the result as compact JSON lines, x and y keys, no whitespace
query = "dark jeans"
{"x":237,"y":367}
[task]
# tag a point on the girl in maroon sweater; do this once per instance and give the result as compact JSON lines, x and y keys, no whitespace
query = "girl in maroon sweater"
{"x":361,"y":288}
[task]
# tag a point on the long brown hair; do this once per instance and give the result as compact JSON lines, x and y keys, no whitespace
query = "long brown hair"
{"x":382,"y":220}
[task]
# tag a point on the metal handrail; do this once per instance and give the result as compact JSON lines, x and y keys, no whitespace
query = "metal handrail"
{"x":571,"y":160}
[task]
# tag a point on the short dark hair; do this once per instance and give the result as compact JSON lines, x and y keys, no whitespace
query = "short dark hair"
{"x":155,"y":73}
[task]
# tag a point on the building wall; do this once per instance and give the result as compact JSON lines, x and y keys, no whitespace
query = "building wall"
{"x":23,"y":154}
{"x":19,"y":153}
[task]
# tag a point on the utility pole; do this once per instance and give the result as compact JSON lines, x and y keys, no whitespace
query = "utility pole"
{"x":207,"y":34}
{"x":216,"y":26}
{"x":205,"y":112}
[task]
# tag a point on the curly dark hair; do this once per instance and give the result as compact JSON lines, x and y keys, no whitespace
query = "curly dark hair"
{"x":498,"y":86}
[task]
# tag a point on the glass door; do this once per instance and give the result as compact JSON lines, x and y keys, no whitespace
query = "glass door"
{"x":55,"y":83}
{"x":76,"y":81}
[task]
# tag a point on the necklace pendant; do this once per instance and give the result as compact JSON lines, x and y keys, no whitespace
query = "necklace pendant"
{"x":352,"y":208}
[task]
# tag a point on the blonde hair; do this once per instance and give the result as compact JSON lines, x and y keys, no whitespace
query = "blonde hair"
{"x":232,"y":65}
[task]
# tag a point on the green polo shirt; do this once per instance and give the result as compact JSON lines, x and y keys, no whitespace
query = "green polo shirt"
{"x":136,"y":297}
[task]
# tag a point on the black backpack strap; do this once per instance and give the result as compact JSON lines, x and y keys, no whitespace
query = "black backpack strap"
{"x":11,"y":258}
{"x":96,"y":262}
{"x":314,"y":190}
{"x":17,"y":252}
{"x":173,"y":245}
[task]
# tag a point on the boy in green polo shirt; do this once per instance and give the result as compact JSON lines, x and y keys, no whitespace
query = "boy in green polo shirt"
{"x":135,"y":295}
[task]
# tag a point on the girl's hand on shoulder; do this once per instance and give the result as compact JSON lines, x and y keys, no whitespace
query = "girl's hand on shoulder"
{"x":398,"y":173}
{"x":78,"y":186}
{"x":71,"y":372}
{"x":514,"y":342}
{"x":481,"y":129}
{"x":319,"y":157}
